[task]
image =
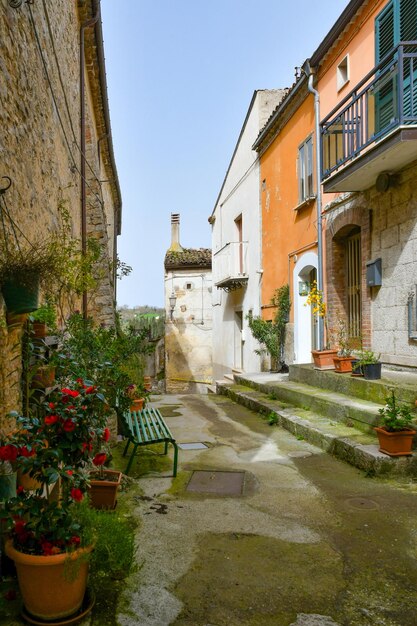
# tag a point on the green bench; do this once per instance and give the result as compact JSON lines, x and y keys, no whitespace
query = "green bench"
{"x":144,"y":428}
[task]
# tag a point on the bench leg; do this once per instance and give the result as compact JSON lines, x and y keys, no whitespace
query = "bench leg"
{"x":175,"y":458}
{"x":166,"y":448}
{"x":132,"y":456}
{"x":126,"y":447}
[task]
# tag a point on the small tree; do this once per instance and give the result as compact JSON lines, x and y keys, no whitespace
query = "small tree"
{"x":271,"y":334}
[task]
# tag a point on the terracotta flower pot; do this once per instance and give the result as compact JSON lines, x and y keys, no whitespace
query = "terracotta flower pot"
{"x":396,"y":443}
{"x":103,"y":493}
{"x":39,"y":330}
{"x":52,"y":587}
{"x":147,"y":383}
{"x":342,"y":364}
{"x":44,"y":377}
{"x":137,"y":405}
{"x":323,"y":359}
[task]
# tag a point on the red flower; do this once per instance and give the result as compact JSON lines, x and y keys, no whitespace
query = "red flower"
{"x":106,"y":435}
{"x":20,"y":490}
{"x":70,"y":392}
{"x":51,"y":419}
{"x":91,"y":389}
{"x":99,"y":459}
{"x":76,"y":494}
{"x":23,"y":451}
{"x":75,"y":540}
{"x":8,"y":452}
{"x":69,"y":425}
{"x":69,"y":472}
{"x":80,"y":381}
{"x":19,"y":527}
{"x":51,"y":405}
{"x":86,"y":447}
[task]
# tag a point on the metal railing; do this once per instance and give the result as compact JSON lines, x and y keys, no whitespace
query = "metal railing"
{"x":385,"y":99}
{"x":230,"y":261}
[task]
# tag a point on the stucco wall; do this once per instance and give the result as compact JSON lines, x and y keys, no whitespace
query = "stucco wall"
{"x":240,"y":196}
{"x":188,"y":337}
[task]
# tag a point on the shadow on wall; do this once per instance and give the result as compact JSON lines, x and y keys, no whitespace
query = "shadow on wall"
{"x":183,"y":363}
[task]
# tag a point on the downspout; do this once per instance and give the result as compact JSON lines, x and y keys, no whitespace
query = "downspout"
{"x":91,"y":22}
{"x":309,"y":72}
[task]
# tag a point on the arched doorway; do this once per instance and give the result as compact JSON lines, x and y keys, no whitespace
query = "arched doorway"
{"x":305,"y":325}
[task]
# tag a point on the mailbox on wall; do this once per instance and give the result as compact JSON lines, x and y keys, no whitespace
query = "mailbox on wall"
{"x":374,"y":273}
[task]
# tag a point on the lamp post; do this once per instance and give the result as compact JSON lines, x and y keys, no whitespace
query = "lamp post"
{"x":172,"y":303}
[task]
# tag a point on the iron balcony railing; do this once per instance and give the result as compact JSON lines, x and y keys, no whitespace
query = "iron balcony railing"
{"x":385,"y":99}
{"x":230,"y":262}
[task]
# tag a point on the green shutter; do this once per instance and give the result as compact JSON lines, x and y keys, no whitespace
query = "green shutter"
{"x":385,"y":30}
{"x":408,"y":32}
{"x":386,"y":38}
{"x":408,"y":20}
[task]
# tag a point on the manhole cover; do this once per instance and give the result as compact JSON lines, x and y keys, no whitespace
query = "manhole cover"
{"x":362,"y":503}
{"x":192,"y":446}
{"x":299,"y":454}
{"x":220,"y":483}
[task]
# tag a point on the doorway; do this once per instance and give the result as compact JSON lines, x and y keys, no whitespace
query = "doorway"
{"x":238,"y":360}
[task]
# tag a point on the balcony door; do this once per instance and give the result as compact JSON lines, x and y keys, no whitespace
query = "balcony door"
{"x":239,"y":233}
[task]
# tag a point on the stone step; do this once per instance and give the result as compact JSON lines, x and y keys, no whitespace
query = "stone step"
{"x":362,"y":414}
{"x":403,"y":383}
{"x":344,"y":442}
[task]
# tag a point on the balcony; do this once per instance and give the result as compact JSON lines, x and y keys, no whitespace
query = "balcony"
{"x":374,"y":128}
{"x":230,"y":266}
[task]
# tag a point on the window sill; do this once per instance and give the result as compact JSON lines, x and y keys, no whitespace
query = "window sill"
{"x":305,"y":203}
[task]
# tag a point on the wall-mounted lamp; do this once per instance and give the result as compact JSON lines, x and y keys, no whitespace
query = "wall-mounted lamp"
{"x":172,"y":303}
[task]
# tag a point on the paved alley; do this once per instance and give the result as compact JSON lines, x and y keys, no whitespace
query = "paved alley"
{"x":308,"y":541}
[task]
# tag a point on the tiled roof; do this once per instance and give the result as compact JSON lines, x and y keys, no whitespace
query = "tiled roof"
{"x":188,"y":257}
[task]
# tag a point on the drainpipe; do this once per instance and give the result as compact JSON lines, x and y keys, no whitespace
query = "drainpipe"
{"x":91,"y":22}
{"x":309,"y":72}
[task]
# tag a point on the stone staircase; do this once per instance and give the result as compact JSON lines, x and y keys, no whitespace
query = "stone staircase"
{"x":335,"y":412}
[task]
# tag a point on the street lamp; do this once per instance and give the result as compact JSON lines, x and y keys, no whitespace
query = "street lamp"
{"x":172,"y":303}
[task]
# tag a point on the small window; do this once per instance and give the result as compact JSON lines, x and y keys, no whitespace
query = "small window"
{"x":305,"y":170}
{"x":189,"y":286}
{"x":342,"y":73}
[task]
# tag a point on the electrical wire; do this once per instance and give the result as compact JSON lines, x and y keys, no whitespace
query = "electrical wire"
{"x":56,"y":106}
{"x":64,"y":91}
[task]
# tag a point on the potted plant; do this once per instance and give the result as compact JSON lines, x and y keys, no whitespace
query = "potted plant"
{"x":369,"y":363}
{"x":42,"y":320}
{"x":137,"y":395}
{"x":104,"y":483}
{"x":343,"y":359}
{"x":323,"y":359}
{"x":46,"y":535}
{"x":395,"y":434}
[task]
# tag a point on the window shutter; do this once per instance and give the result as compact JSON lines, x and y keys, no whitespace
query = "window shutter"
{"x":408,"y":20}
{"x":385,"y":32}
{"x":408,"y":32}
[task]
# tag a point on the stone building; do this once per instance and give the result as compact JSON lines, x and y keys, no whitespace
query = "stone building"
{"x":56,"y":144}
{"x":188,"y":334}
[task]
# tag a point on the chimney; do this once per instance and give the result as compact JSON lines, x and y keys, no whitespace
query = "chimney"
{"x":175,"y":233}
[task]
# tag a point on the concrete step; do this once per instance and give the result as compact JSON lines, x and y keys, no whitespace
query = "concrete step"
{"x":403,"y":383}
{"x":342,"y":441}
{"x":338,"y":407}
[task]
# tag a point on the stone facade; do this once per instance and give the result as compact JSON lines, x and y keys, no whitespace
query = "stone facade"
{"x":388,"y":227}
{"x":40,"y":143}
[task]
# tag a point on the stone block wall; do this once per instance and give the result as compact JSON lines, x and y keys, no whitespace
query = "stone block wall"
{"x":40,"y":147}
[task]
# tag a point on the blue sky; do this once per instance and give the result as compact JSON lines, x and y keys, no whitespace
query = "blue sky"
{"x":181,"y":74}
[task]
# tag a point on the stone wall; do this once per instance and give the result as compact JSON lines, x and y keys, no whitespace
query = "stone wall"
{"x":388,"y":222}
{"x":40,"y":148}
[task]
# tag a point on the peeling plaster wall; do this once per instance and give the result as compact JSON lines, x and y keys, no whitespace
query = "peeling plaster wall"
{"x":188,"y":341}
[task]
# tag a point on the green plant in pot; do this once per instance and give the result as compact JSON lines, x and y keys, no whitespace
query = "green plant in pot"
{"x":343,"y":359}
{"x":43,"y":320}
{"x":45,"y":529}
{"x":395,"y":432}
{"x":368,"y":362}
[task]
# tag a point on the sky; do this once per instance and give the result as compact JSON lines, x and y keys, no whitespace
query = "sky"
{"x":180,"y":77}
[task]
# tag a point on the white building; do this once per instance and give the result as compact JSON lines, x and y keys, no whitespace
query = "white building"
{"x":236,"y":243}
{"x":188,"y":329}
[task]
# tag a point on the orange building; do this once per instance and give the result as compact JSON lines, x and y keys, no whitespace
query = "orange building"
{"x":362,"y":110}
{"x":289,"y":234}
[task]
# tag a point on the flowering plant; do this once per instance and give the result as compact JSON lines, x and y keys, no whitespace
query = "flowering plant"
{"x":343,"y":339}
{"x":395,"y":416}
{"x":134,"y":392}
{"x":54,"y":448}
{"x":318,"y":307}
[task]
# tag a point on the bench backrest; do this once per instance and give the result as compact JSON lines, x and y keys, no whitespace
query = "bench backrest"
{"x":147,"y":425}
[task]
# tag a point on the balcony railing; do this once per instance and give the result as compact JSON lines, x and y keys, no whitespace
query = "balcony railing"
{"x":384,"y":100}
{"x":230,"y":266}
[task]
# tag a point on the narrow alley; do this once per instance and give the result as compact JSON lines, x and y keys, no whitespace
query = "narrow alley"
{"x":303,"y":539}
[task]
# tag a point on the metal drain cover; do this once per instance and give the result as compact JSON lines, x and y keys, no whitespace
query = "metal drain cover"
{"x":362,"y":503}
{"x":219,"y":483}
{"x":193,"y":446}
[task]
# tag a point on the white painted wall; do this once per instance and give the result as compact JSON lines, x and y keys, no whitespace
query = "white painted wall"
{"x":188,"y":337}
{"x":240,"y":195}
